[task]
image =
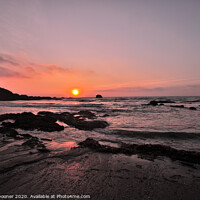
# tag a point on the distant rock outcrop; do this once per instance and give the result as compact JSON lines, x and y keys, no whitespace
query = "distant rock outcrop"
{"x":6,"y":95}
{"x":177,"y":106}
{"x":192,"y":108}
{"x":153,"y":103}
{"x":98,"y":96}
{"x":159,"y":102}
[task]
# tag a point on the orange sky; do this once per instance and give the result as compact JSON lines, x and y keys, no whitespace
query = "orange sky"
{"x":115,"y":48}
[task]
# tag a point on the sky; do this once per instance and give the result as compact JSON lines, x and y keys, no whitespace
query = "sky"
{"x":108,"y":47}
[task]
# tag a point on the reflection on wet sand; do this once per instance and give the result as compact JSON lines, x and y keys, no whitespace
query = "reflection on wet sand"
{"x":61,"y":146}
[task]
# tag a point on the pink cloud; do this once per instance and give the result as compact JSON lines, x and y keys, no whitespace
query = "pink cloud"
{"x":8,"y":73}
{"x":21,"y":68}
{"x":7,"y":59}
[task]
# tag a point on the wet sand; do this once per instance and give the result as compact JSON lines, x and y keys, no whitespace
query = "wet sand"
{"x":100,"y":175}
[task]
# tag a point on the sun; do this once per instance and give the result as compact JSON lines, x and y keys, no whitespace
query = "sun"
{"x":75,"y":92}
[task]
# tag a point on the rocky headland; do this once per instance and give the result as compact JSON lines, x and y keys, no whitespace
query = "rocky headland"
{"x":6,"y":95}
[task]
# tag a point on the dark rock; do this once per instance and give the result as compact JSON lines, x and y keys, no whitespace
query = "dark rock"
{"x":192,"y":108}
{"x":98,"y":96}
{"x":153,"y":103}
{"x":46,"y":121}
{"x":88,"y":125}
{"x":29,"y":121}
{"x":177,"y":106}
{"x":67,"y":118}
{"x":33,"y":142}
{"x":6,"y":95}
{"x":8,"y":116}
{"x":45,"y":113}
{"x":106,"y":115}
{"x":26,"y":135}
{"x":161,"y":102}
{"x":80,"y":123}
{"x":165,"y":101}
{"x":7,"y":124}
{"x":86,"y":114}
{"x":150,"y":150}
{"x":46,"y":139}
{"x":9,"y":132}
{"x":43,"y":150}
{"x":89,"y":142}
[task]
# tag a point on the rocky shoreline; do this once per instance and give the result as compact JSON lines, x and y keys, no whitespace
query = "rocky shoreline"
{"x":46,"y":121}
{"x":82,"y":120}
{"x":29,"y":167}
{"x":147,"y":151}
{"x":163,"y":102}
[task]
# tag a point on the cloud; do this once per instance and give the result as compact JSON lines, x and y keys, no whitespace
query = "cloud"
{"x":157,"y":89}
{"x":197,"y":86}
{"x":20,"y":67}
{"x":8,"y":59}
{"x":4,"y":72}
{"x":180,"y":90}
{"x":25,"y":68}
{"x":133,"y":89}
{"x":55,"y":69}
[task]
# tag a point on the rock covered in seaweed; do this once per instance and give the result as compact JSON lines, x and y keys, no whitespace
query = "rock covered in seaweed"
{"x":90,"y":125}
{"x":160,"y":102}
{"x":30,"y":141}
{"x":73,"y":121}
{"x":150,"y":150}
{"x":9,"y":132}
{"x":86,"y":114}
{"x":177,"y":106}
{"x":192,"y":108}
{"x":153,"y":103}
{"x":29,"y":121}
{"x":46,"y":121}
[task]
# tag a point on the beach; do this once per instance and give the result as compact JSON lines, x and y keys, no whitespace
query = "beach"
{"x":102,"y":176}
{"x":100,"y":99}
{"x":78,"y":149}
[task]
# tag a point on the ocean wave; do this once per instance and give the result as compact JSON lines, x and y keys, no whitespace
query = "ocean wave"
{"x":50,"y":105}
{"x":193,"y":101}
{"x":151,"y":134}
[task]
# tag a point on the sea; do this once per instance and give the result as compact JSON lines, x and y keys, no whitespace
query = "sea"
{"x":131,"y":120}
